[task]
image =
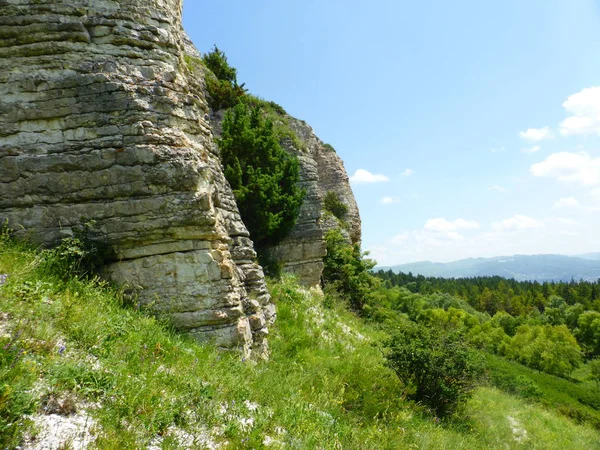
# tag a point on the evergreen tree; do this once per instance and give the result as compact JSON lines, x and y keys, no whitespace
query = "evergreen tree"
{"x":262,"y":175}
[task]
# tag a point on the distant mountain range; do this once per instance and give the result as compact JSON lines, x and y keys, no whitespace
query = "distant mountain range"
{"x":520,"y":267}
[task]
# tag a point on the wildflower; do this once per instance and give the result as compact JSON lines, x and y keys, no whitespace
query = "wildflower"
{"x":62,"y":349}
{"x":3,"y":277}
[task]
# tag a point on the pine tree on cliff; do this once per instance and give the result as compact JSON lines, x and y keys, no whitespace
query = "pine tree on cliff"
{"x":262,"y":175}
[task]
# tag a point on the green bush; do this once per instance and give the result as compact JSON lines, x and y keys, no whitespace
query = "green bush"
{"x":262,"y":175}
{"x":333,"y":204}
{"x":222,"y":94}
{"x":83,"y":254}
{"x":438,"y":364}
{"x":223,"y":88}
{"x":347,"y":271}
{"x":216,"y":61}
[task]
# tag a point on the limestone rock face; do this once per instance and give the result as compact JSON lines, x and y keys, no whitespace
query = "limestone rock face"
{"x":321,"y":171}
{"x":332,"y":177}
{"x":100,"y":119}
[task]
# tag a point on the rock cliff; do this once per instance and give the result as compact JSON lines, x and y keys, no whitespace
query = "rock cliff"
{"x":100,"y":119}
{"x":321,"y":171}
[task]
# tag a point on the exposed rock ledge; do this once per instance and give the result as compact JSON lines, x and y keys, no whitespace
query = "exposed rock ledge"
{"x":99,"y":119}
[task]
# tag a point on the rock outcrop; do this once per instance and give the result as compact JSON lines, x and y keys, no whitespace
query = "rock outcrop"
{"x":100,"y":120}
{"x":321,"y":171}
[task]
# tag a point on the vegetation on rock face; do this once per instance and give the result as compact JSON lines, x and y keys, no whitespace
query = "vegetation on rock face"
{"x":346,"y":271}
{"x":223,"y":88}
{"x":262,"y":175}
{"x":333,"y":204}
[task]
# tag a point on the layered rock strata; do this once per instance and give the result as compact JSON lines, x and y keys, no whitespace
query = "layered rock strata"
{"x":100,"y":120}
{"x":321,"y":171}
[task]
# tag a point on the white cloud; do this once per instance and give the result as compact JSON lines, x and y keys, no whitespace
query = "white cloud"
{"x":389,"y":200}
{"x":407,"y":173}
{"x":425,"y":238}
{"x":498,"y":149}
{"x":536,"y":134}
{"x":362,"y":176}
{"x":585,"y":107}
{"x":535,"y":148}
{"x":517,"y":223}
{"x":567,"y":202}
{"x":595,"y":193}
{"x":442,"y":225}
{"x":569,"y":167}
{"x":497,"y":188}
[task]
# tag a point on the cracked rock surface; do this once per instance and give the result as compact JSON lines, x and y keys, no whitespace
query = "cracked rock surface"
{"x":100,"y":119}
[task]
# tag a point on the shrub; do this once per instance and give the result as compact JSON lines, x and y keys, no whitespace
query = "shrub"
{"x":262,"y":175}
{"x":222,"y":94}
{"x":216,"y":61}
{"x":223,"y":89}
{"x":82,"y":254}
{"x":437,"y":363}
{"x":347,"y":271}
{"x":333,"y":204}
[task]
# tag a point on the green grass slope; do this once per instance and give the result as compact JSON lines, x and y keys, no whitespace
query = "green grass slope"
{"x":144,"y":386}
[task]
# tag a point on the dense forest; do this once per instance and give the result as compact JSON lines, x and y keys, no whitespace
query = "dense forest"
{"x":552,"y":327}
{"x":493,"y":294}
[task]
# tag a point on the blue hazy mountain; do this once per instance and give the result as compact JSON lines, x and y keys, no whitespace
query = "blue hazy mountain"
{"x":520,"y":267}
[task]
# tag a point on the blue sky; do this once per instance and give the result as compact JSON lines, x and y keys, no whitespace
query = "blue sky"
{"x":479,"y":121}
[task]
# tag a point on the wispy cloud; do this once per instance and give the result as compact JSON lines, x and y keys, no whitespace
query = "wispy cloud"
{"x":497,"y":188}
{"x":536,"y":134}
{"x":389,"y":200}
{"x":534,"y":149}
{"x":362,"y":176}
{"x":443,"y":225}
{"x":497,"y":149}
{"x":407,"y":173}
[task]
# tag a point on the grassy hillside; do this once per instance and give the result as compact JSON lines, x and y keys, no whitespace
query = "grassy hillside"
{"x":77,"y":349}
